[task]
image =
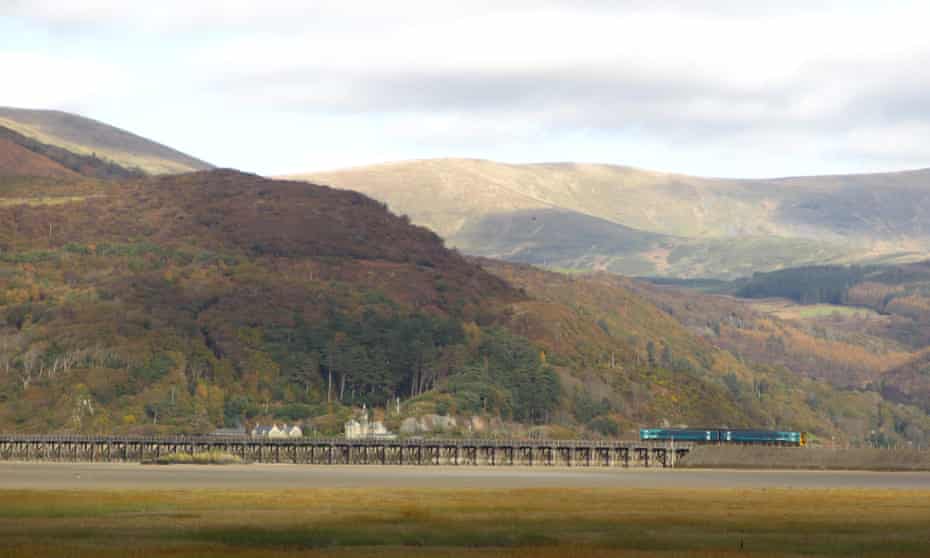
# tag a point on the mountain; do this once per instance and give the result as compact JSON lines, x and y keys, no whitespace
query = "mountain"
{"x":559,"y":238}
{"x":87,"y":137}
{"x":184,"y":302}
{"x":708,"y":226}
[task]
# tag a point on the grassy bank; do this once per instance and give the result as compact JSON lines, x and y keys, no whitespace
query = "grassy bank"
{"x":851,"y":459}
{"x":479,"y":523}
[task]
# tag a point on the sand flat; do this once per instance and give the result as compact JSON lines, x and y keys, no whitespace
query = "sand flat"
{"x":94,"y":476}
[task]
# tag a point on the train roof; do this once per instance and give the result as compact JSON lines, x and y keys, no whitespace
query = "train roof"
{"x":718,"y":428}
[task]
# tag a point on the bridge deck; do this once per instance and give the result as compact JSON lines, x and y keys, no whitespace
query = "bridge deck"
{"x":338,"y":451}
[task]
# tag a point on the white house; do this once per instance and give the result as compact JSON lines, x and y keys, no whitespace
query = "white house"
{"x":275,"y":431}
{"x":360,"y":427}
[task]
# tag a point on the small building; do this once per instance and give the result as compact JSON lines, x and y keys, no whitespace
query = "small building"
{"x":277,"y":432}
{"x":361,"y":428}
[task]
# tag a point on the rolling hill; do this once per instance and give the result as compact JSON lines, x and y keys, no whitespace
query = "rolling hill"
{"x":180,"y":303}
{"x":559,"y":238}
{"x":87,"y":137}
{"x":711,"y":227}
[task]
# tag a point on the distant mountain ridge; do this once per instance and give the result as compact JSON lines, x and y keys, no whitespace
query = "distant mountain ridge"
{"x":88,"y":137}
{"x":720,"y":227}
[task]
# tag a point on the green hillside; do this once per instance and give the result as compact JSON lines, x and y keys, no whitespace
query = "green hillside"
{"x":562,"y":239}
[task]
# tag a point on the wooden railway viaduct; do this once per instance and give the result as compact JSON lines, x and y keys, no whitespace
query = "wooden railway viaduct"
{"x":565,"y":453}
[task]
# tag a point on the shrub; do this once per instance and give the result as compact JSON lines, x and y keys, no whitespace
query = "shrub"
{"x":295,"y":411}
{"x":200,"y":458}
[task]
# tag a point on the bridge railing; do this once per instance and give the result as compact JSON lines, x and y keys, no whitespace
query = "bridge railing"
{"x":409,"y":442}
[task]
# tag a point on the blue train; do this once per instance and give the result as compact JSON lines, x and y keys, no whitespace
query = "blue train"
{"x":724,"y":436}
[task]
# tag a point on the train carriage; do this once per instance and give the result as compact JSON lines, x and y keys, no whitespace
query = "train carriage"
{"x":725,"y":436}
{"x":679,"y":434}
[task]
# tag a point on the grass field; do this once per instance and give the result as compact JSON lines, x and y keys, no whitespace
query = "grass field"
{"x":475,"y":523}
{"x":787,"y":310}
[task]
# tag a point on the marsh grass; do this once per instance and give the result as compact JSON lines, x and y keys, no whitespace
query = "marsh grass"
{"x":518,"y":523}
{"x":199,"y":458}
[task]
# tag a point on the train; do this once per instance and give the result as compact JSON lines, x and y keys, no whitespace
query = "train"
{"x":725,"y":436}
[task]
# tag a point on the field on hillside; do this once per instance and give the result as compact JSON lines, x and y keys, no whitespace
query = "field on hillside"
{"x":479,"y":523}
{"x":788,"y":310}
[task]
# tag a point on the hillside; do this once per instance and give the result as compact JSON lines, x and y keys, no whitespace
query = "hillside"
{"x":559,"y":238}
{"x":900,"y":293}
{"x":27,"y":157}
{"x":16,"y":160}
{"x":84,"y":136}
{"x":182,"y":303}
{"x":881,"y":312}
{"x":719,"y":226}
{"x":663,"y":355}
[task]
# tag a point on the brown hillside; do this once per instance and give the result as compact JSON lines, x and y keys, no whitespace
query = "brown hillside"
{"x":19,"y":161}
{"x":185,"y":302}
{"x":228,"y":210}
{"x":694,"y":375}
{"x":88,"y":137}
{"x":909,"y":383}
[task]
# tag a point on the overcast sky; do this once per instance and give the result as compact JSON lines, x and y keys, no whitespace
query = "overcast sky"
{"x":712,"y":88}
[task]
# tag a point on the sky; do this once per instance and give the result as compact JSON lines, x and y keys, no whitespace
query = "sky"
{"x":712,"y":88}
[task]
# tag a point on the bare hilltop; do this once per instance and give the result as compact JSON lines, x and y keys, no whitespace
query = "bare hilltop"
{"x":642,"y":222}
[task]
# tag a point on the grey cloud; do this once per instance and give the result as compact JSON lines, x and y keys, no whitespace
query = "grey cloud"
{"x":688,"y":107}
{"x":596,"y":98}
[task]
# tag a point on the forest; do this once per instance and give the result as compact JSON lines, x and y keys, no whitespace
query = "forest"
{"x":827,"y":284}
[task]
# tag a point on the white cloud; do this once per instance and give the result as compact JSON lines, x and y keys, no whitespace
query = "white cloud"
{"x":822,"y":79}
{"x":41,"y":81}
